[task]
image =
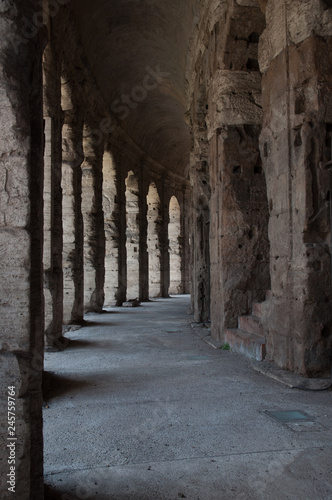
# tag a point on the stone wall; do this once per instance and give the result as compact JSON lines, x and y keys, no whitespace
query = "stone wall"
{"x":231,"y":249}
{"x":297,"y":69}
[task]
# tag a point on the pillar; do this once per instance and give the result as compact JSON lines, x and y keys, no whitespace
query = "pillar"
{"x":111,"y":225}
{"x":53,"y":277}
{"x":164,"y":242}
{"x":72,"y":158}
{"x":21,"y":249}
{"x":93,"y":222}
{"x":143,"y":188}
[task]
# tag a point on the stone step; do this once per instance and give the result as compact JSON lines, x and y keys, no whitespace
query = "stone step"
{"x":251,"y":324}
{"x":257,"y":309}
{"x":248,"y":344}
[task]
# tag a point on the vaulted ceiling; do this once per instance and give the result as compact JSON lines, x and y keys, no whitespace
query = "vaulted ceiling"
{"x":128,"y":42}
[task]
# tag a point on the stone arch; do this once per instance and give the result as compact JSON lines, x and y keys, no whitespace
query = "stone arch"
{"x":153,"y":240}
{"x":175,"y":250}
{"x":132,"y":235}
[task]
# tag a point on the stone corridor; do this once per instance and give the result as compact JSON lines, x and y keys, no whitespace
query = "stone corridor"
{"x":159,"y":147}
{"x":140,"y":407}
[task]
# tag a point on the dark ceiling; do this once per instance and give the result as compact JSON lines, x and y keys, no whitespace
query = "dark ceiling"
{"x":137,"y":51}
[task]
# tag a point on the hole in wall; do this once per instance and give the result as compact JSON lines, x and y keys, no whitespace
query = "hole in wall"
{"x":298,"y":140}
{"x":251,"y":234}
{"x":237,"y":169}
{"x":258,"y":169}
{"x":325,"y":331}
{"x":317,"y":265}
{"x":327,"y":4}
{"x":270,"y":205}
{"x":252,"y":65}
{"x":253,"y":37}
{"x":299,"y":103}
{"x":259,"y":256}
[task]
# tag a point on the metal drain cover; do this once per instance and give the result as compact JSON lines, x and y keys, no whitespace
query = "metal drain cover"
{"x":289,"y":416}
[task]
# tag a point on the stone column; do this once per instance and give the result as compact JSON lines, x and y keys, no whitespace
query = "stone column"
{"x":297,"y":104}
{"x":201,"y":192}
{"x":175,"y":245}
{"x":53,"y":278}
{"x":201,"y":240}
{"x":111,"y":220}
{"x":132,"y":235}
{"x":72,"y":158}
{"x":186,"y":227}
{"x":93,"y":222}
{"x":21,"y":248}
{"x":143,"y":188}
{"x":121,"y":225}
{"x":164,"y":242}
{"x":154,"y":221}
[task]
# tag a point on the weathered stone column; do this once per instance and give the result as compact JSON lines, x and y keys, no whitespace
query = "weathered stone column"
{"x":111,"y":220}
{"x":154,"y":222}
{"x":200,"y":207}
{"x":297,"y":104}
{"x":53,"y":278}
{"x":186,"y":227}
{"x":143,"y":188}
{"x":201,"y":240}
{"x":121,"y":225}
{"x":175,"y":249}
{"x":93,"y":222}
{"x":132,"y":235}
{"x":21,"y":250}
{"x":72,"y":158}
{"x":164,"y":242}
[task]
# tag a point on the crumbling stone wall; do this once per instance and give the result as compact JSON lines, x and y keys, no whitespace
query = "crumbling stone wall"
{"x":229,"y":191}
{"x":295,"y":59}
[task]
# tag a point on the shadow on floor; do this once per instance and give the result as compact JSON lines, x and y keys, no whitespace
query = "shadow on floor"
{"x":51,"y":494}
{"x":77,"y":343}
{"x":88,"y":323}
{"x":55,"y":386}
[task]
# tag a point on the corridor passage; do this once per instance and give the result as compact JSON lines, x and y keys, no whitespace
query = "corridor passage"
{"x":140,"y":406}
